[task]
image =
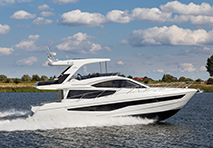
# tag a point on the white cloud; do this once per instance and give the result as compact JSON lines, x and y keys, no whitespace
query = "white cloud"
{"x":5,"y":51}
{"x":65,"y":1}
{"x":170,"y":36}
{"x":186,"y":67}
{"x":4,"y":29}
{"x":6,"y":2}
{"x":42,"y":21}
{"x":79,"y":43}
{"x":27,"y":61}
{"x":46,"y":13}
{"x":21,"y":14}
{"x":118,"y":16}
{"x":45,"y":64}
{"x":78,"y":18}
{"x":43,"y":7}
{"x":198,"y":51}
{"x":190,"y":9}
{"x":160,"y":70}
{"x":153,"y":14}
{"x":120,"y":63}
{"x":196,"y":20}
{"x":203,"y":68}
{"x":30,"y":44}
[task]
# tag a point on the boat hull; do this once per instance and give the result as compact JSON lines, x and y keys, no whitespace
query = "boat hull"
{"x":149,"y":106}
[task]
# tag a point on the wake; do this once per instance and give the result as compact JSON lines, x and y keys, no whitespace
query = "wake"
{"x":60,"y":121}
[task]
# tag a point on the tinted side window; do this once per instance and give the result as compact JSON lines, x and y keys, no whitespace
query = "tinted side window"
{"x":88,"y":94}
{"x":118,"y":84}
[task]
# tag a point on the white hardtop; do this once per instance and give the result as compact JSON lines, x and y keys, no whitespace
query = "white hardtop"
{"x":76,"y":62}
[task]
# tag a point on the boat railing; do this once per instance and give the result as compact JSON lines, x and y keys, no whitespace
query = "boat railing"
{"x":173,"y":85}
{"x":159,"y":87}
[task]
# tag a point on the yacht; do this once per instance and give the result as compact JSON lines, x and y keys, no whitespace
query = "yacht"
{"x":108,"y":94}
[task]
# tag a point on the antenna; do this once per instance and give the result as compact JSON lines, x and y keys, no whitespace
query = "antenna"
{"x":50,"y":55}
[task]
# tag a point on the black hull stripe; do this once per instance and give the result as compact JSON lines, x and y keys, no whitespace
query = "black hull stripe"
{"x":158,"y":116}
{"x":114,"y":106}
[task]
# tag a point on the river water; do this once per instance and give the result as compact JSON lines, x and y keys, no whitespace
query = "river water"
{"x":192,"y":126}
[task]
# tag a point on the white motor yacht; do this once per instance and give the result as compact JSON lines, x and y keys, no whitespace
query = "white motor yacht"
{"x":108,"y":94}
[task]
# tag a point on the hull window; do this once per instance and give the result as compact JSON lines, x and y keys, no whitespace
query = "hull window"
{"x":118,"y":84}
{"x":88,"y":94}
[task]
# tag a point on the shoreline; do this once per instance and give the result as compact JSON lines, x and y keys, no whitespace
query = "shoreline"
{"x":30,"y":87}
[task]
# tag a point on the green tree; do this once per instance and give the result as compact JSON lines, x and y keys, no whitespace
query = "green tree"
{"x":169,"y":78}
{"x":26,"y":77}
{"x":210,"y":81}
{"x":130,"y":77}
{"x":209,"y":65}
{"x":8,"y":80}
{"x":189,"y":79}
{"x":36,"y":78}
{"x":199,"y":80}
{"x":182,"y":79}
{"x":44,"y":78}
{"x":3,"y":78}
{"x":52,"y":78}
{"x":16,"y":80}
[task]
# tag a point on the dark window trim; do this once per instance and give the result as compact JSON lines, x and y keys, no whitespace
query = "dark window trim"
{"x":118,"y":86}
{"x":114,"y":106}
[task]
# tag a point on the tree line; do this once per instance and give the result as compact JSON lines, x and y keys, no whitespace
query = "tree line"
{"x":25,"y":78}
{"x":166,"y":77}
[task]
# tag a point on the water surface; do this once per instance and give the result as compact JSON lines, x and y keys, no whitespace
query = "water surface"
{"x":192,"y":126}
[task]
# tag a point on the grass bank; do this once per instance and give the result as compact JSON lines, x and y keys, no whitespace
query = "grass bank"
{"x":20,"y":87}
{"x":29,"y":87}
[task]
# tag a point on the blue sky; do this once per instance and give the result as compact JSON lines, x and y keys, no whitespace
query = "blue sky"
{"x":142,"y":38}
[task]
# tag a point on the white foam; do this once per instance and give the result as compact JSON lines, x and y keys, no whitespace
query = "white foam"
{"x":13,"y":112}
{"x":44,"y":122}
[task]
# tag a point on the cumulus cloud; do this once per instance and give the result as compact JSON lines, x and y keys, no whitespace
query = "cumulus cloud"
{"x":153,"y":14}
{"x":79,"y":43}
{"x":190,"y":9}
{"x":43,"y":7}
{"x":4,"y":29}
{"x":186,"y":67}
{"x":42,"y":21}
{"x":21,"y":14}
{"x":27,"y":61}
{"x":192,"y":13}
{"x":45,"y":64}
{"x":78,"y":18}
{"x":46,"y":13}
{"x":65,"y":1}
{"x":196,"y":20}
{"x":6,"y":2}
{"x":118,"y":16}
{"x":5,"y":51}
{"x":160,"y":70}
{"x":174,"y":11}
{"x":203,"y":68}
{"x":120,"y":63}
{"x":29,"y":44}
{"x":170,"y":36}
{"x":198,"y":51}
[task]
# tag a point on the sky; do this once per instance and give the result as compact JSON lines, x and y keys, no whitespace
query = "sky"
{"x":142,"y":38}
